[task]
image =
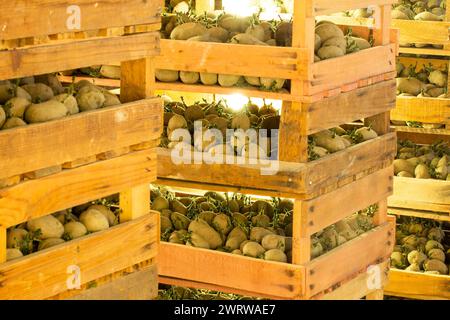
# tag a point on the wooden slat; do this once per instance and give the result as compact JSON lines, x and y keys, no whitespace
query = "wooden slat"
{"x":425,"y":51}
{"x":350,"y":258}
{"x":2,"y":244}
{"x":25,"y":18}
{"x":68,"y":55}
{"x":416,"y":285}
{"x":420,"y":214}
{"x":350,"y":161}
{"x":44,"y":274}
{"x":427,"y":110}
{"x":421,"y":135}
{"x":245,"y":60}
{"x":421,"y":194}
{"x":429,"y":32}
{"x":34,"y":198}
{"x":85,"y":134}
{"x":219,"y":268}
{"x":327,"y":209}
{"x":350,"y":106}
{"x":325,"y":7}
{"x":293,"y":117}
{"x":351,"y":68}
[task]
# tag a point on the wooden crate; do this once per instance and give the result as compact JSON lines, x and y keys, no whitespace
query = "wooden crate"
{"x":63,"y":163}
{"x":416,"y":285}
{"x":309,"y":81}
{"x":304,"y":278}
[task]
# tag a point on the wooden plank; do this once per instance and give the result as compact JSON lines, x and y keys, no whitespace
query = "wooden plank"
{"x":301,"y":237}
{"x":44,"y":274}
{"x":292,"y":118}
{"x":35,"y":198}
{"x":137,"y":81}
{"x":88,"y":133}
{"x":331,"y":169}
{"x":347,"y":69}
{"x":234,"y":271}
{"x":247,"y":60}
{"x":23,"y":18}
{"x":420,"y":214}
{"x":69,"y":55}
{"x":427,"y":110}
{"x":325,"y":7}
{"x":2,"y":244}
{"x":422,"y":194}
{"x":350,"y":106}
{"x":416,"y":285}
{"x":428,"y":51}
{"x":350,"y":258}
{"x":421,"y":135}
{"x":102,"y":82}
{"x":429,"y":32}
{"x":135,"y":202}
{"x":138,"y":285}
{"x":327,"y":209}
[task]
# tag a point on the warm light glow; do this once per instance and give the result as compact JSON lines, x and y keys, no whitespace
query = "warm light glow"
{"x":237,"y":101}
{"x":270,"y":10}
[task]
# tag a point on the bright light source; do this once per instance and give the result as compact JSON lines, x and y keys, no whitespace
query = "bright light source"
{"x":241,"y":7}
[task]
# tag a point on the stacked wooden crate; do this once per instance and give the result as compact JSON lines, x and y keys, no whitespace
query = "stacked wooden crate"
{"x":323,"y":95}
{"x":93,"y":154}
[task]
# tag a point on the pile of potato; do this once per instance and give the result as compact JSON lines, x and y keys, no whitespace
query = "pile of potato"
{"x":427,"y":82}
{"x":423,"y":161}
{"x":337,"y":139}
{"x":240,"y":225}
{"x":421,"y":246}
{"x":167,"y":292}
{"x":43,"y":98}
{"x":217,"y":115}
{"x":330,"y":42}
{"x":51,"y":230}
{"x":427,"y":10}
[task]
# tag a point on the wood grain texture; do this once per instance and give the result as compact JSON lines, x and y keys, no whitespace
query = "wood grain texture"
{"x":416,"y":285}
{"x":44,"y":274}
{"x":69,"y":55}
{"x":438,"y":216}
{"x":350,"y":258}
{"x":432,"y":32}
{"x":421,"y":135}
{"x":23,"y":18}
{"x":85,"y":134}
{"x":234,"y":271}
{"x":427,"y":110}
{"x":35,"y":198}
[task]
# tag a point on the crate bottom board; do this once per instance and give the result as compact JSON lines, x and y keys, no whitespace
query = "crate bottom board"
{"x":419,"y":214}
{"x":47,"y":273}
{"x":281,"y":280}
{"x":422,"y":135}
{"x":415,"y":285}
{"x":426,"y":110}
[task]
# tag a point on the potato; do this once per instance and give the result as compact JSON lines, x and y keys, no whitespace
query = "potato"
{"x":203,"y":229}
{"x":15,"y":107}
{"x":409,"y":85}
{"x":178,"y":236}
{"x":253,"y":249}
{"x":422,"y":172}
{"x":222,"y":224}
{"x":416,"y":257}
{"x":317,"y":42}
{"x":257,"y":32}
{"x":228,"y":80}
{"x":283,"y":34}
{"x":332,"y":144}
{"x":45,"y":111}
{"x":109,"y":215}
{"x":405,"y":174}
{"x":261,"y":220}
{"x":111,"y":72}
{"x":330,"y":52}
{"x":316,"y":250}
{"x":39,"y":92}
{"x":272,"y":83}
{"x":272,"y":241}
{"x":367,"y":133}
{"x":187,"y":30}
{"x":13,"y":122}
{"x":254,"y":81}
{"x":235,"y":238}
{"x":94,"y":220}
{"x":433,"y":244}
{"x":413,"y":267}
{"x":12,"y":254}
{"x":50,"y":242}
{"x":435,"y":265}
{"x":74,"y":230}
{"x":218,"y":33}
{"x":397,"y":14}
{"x":166,"y":75}
{"x":397,"y":259}
{"x":437,"y":254}
{"x":21,"y":93}
{"x":339,"y":42}
{"x":436,"y":234}
{"x":2,"y":116}
{"x":69,"y":101}
{"x":244,"y":38}
{"x":275,"y":255}
{"x":240,"y":121}
{"x":7,"y":91}
{"x":90,"y":99}
{"x":49,"y":227}
{"x":15,"y":238}
{"x":234,"y":24}
{"x":179,"y":221}
{"x":189,"y":77}
{"x":196,"y":240}
{"x":209,"y":79}
{"x":258,"y":233}
{"x":328,"y":30}
{"x":237,"y":251}
{"x":403,"y":165}
{"x":160,"y":203}
{"x":427,"y":16}
{"x":110,"y":99}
